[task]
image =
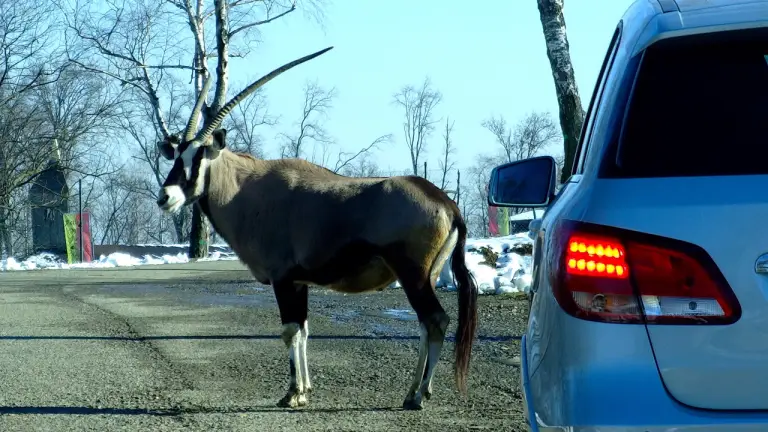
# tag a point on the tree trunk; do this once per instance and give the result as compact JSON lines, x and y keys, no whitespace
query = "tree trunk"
{"x":178,"y":226}
{"x":6,"y":245}
{"x":198,"y":235}
{"x":198,"y":239}
{"x":5,"y":238}
{"x":571,"y":112}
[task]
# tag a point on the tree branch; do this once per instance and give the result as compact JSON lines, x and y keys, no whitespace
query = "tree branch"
{"x":266,"y":21}
{"x":343,"y":161}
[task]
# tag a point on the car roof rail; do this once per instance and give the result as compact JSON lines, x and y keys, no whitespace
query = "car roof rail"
{"x":668,"y":6}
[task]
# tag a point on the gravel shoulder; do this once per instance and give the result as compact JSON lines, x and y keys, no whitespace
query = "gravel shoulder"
{"x":196,"y":347}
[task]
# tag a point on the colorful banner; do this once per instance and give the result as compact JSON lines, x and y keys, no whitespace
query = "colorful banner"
{"x":493,"y":221}
{"x":86,"y":228}
{"x":503,"y":218}
{"x":72,"y":237}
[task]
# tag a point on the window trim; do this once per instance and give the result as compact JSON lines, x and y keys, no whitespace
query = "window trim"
{"x":595,"y":101}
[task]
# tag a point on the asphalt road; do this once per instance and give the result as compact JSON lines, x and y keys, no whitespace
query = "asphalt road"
{"x":196,"y":347}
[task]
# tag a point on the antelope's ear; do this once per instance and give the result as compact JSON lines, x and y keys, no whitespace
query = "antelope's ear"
{"x":219,"y":139}
{"x":166,"y":149}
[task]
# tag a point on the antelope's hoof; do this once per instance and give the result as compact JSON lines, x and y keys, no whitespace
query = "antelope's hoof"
{"x":293,"y":400}
{"x":427,"y":395}
{"x":413,"y":403}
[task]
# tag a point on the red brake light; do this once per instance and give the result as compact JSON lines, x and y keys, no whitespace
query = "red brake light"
{"x":592,"y":256}
{"x":610,"y":274}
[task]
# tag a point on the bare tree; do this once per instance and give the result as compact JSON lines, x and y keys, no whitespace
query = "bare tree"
{"x":123,"y":214}
{"x":446,"y":164}
{"x":363,"y":166}
{"x":27,"y":63}
{"x":141,"y":44}
{"x":311,"y":131}
{"x":559,"y":162}
{"x":27,"y":59}
{"x":531,"y":135}
{"x":475,"y":197}
{"x":82,"y":112}
{"x":568,"y":100}
{"x":245,"y":122}
{"x":146,"y":151}
{"x":317,"y":102}
{"x":345,"y":159}
{"x":418,"y":106}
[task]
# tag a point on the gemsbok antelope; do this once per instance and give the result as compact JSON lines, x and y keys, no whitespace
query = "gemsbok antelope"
{"x":295,"y":224}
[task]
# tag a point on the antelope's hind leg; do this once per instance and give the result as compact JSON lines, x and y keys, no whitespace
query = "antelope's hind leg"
{"x":292,"y":300}
{"x":433,"y":322}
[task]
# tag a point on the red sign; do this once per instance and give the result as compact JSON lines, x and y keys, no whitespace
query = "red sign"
{"x":493,"y":220}
{"x":87,"y":246}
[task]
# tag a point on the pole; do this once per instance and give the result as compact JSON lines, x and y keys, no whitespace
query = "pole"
{"x":425,"y":169}
{"x":458,"y":186}
{"x":80,"y":224}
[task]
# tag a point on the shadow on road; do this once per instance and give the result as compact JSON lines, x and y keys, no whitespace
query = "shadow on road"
{"x":75,"y":410}
{"x":254,"y":337}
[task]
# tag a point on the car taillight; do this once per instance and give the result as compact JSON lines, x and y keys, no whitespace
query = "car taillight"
{"x":616,"y":275}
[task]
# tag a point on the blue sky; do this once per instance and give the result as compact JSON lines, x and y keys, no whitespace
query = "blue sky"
{"x":486,"y":60}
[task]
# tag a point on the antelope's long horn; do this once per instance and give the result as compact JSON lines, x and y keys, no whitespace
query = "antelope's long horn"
{"x":226,"y":109}
{"x":189,"y":133}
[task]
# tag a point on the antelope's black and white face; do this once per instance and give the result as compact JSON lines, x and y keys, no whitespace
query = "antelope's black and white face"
{"x":187,"y":180}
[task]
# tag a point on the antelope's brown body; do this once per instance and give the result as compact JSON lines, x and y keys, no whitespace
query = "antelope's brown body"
{"x":290,"y":217}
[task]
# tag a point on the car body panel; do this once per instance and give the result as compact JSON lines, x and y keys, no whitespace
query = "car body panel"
{"x":713,"y":367}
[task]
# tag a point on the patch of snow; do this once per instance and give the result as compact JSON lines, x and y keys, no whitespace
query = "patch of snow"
{"x":218,"y":256}
{"x":47,"y":260}
{"x":512,"y":273}
{"x":179,"y":245}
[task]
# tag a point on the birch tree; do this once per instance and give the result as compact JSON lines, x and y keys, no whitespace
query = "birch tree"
{"x":568,"y":100}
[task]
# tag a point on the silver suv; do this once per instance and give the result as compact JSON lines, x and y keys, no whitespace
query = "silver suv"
{"x":650,"y":274}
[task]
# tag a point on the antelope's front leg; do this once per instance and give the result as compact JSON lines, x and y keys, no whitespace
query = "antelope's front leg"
{"x":296,"y":395}
{"x":303,"y":367}
{"x":292,"y":301}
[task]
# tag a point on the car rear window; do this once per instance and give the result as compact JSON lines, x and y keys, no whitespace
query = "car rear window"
{"x":699,"y":108}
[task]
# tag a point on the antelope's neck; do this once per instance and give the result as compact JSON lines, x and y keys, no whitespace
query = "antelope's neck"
{"x":227,"y":175}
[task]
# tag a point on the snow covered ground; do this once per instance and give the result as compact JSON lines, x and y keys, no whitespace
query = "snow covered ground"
{"x":510,"y":275}
{"x":118,"y":259}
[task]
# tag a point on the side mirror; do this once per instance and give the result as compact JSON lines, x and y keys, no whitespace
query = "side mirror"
{"x":525,"y":183}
